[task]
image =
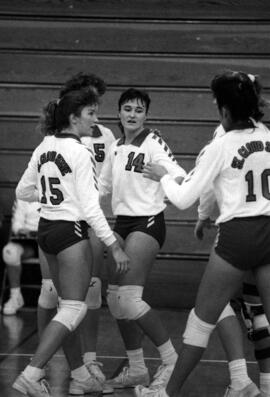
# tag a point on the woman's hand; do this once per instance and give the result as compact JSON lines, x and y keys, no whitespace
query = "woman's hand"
{"x":154,"y":171}
{"x":199,"y":227}
{"x":120,"y":257}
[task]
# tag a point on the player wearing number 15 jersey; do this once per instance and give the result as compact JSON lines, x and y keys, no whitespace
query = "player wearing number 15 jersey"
{"x":62,"y":171}
{"x":98,"y":139}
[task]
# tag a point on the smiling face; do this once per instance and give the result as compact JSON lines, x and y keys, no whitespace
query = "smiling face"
{"x":133,"y":115}
{"x":86,"y":120}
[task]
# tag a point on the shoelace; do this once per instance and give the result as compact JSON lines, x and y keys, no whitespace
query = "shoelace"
{"x":160,"y":375}
{"x":95,"y":367}
{"x":95,"y":363}
{"x":123,"y":374}
{"x":150,"y":392}
{"x":45,"y":387}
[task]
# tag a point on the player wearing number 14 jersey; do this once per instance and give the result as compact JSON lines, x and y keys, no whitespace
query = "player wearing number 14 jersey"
{"x":140,"y":227}
{"x":132,"y":195}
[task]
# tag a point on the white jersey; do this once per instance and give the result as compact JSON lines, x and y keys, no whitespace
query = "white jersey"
{"x":208,"y":199}
{"x":237,"y":165}
{"x":99,"y":142}
{"x":62,"y":169}
{"x":121,"y":175}
{"x":25,"y":216}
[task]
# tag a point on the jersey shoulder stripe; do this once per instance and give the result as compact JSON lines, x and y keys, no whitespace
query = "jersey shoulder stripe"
{"x":163,"y":144}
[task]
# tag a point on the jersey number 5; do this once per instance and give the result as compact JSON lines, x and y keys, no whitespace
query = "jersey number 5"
{"x":249,"y":177}
{"x":99,"y":152}
{"x":56,"y":196}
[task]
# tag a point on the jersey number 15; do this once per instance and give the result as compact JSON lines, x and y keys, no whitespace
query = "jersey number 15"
{"x":56,"y":196}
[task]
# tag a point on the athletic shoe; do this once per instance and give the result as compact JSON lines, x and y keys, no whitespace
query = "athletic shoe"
{"x":125,"y":379}
{"x":162,"y":376}
{"x":94,"y":370}
{"x":250,"y":390}
{"x":141,"y":391}
{"x":14,"y":303}
{"x":32,"y":388}
{"x":90,"y":385}
{"x":94,"y":367}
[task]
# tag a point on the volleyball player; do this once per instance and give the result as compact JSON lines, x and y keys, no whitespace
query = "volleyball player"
{"x":252,"y":308}
{"x":61,"y":174}
{"x":98,"y":139}
{"x":238,"y":166}
{"x":139,"y":208}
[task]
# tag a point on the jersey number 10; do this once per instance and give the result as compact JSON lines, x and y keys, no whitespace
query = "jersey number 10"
{"x":249,"y":177}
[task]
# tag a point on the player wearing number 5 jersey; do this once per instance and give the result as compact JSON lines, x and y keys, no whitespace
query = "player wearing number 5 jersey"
{"x":61,"y":173}
{"x":138,"y":205}
{"x":237,"y":165}
{"x":100,"y":140}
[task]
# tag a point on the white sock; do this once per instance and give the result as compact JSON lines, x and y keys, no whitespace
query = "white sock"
{"x":265,"y":382}
{"x":88,"y":357}
{"x":136,"y":361}
{"x":15,"y":291}
{"x":238,"y":374}
{"x":33,"y":373}
{"x":167,"y":353}
{"x":80,"y":373}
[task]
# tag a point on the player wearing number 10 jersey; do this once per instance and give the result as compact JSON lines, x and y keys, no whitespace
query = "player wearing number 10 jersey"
{"x":237,"y":165}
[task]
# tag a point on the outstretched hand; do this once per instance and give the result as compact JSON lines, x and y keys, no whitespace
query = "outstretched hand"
{"x":154,"y":171}
{"x":199,"y":227}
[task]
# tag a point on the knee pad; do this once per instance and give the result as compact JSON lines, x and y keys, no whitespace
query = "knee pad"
{"x":12,"y":254}
{"x":227,"y":312}
{"x":197,"y":332}
{"x":113,"y":301}
{"x":130,"y":302}
{"x":255,"y":319}
{"x":48,"y":297}
{"x":93,"y":297}
{"x":70,"y":313}
{"x":258,"y":328}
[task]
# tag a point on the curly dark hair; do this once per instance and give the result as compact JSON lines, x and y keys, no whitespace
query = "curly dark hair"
{"x":84,"y":80}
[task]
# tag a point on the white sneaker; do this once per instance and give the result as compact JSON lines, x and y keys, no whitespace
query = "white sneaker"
{"x":162,"y":376}
{"x":94,"y":367}
{"x":14,"y":303}
{"x":94,"y":370}
{"x":250,"y":390}
{"x":32,"y":388}
{"x":90,"y":385}
{"x":125,"y":379}
{"x":141,"y":391}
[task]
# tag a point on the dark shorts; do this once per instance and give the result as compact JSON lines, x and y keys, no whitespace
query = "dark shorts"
{"x":153,"y":225}
{"x":245,"y":242}
{"x":55,"y":236}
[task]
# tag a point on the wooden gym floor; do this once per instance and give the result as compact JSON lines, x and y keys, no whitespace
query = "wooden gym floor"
{"x":19,"y":338}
